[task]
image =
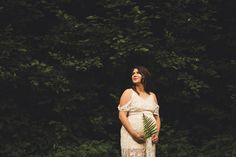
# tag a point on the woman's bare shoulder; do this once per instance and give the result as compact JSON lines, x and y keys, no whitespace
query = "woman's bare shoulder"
{"x":154,"y":95}
{"x":126,"y":96}
{"x":127,"y":92}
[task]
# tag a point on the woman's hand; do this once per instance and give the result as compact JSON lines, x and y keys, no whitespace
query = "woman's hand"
{"x":138,"y":137}
{"x":155,"y":138}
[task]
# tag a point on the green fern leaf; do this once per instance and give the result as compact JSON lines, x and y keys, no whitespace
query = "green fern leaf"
{"x":150,"y":127}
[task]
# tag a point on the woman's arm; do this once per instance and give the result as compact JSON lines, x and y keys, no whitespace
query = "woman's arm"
{"x":158,"y":122}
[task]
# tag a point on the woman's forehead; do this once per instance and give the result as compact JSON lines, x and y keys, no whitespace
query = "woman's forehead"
{"x":135,"y":70}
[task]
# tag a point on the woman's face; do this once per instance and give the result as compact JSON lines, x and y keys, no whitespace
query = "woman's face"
{"x":136,"y":76}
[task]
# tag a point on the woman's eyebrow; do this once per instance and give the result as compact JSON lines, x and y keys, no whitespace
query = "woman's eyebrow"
{"x":135,"y":72}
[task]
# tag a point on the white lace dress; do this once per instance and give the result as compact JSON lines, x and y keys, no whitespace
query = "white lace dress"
{"x":135,"y":108}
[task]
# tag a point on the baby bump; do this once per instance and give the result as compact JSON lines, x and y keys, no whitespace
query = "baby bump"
{"x":136,"y":121}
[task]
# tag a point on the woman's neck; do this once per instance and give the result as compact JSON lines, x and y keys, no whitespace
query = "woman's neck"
{"x":139,"y":88}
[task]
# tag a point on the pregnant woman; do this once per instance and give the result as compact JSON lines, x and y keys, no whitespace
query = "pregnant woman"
{"x":134,"y":102}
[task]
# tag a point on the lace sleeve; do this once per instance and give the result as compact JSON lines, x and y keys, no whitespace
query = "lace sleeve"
{"x":125,"y":107}
{"x":156,"y":110}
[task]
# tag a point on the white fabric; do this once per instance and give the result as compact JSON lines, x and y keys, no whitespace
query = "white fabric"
{"x":135,"y":108}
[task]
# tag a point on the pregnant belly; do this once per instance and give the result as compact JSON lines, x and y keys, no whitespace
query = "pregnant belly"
{"x":136,"y":121}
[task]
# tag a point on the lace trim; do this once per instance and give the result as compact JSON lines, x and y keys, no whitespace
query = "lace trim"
{"x":133,"y":153}
{"x":125,"y":107}
{"x":147,"y":151}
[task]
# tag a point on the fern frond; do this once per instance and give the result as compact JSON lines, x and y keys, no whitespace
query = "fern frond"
{"x":150,"y":127}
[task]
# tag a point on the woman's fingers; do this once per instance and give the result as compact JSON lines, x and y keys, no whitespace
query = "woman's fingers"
{"x":154,"y":138}
{"x":139,"y":137}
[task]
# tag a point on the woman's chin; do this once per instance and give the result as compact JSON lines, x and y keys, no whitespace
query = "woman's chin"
{"x":136,"y":82}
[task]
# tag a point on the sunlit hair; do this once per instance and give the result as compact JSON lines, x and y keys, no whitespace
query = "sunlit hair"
{"x":146,"y":78}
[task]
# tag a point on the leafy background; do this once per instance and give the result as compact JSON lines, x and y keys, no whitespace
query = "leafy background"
{"x":65,"y":63}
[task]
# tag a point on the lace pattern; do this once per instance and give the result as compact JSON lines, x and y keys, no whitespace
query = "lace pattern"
{"x":156,"y":111}
{"x":133,"y":152}
{"x":147,"y":151}
{"x":125,"y":107}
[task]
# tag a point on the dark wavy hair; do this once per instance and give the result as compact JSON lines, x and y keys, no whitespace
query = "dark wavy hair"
{"x":146,"y":78}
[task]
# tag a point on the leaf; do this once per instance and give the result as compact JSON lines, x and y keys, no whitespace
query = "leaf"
{"x":150,"y":127}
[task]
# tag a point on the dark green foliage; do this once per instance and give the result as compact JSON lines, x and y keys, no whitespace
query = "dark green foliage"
{"x":64,"y":64}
